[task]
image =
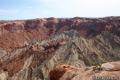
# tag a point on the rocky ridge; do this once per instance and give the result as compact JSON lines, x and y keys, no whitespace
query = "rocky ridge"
{"x":31,"y":49}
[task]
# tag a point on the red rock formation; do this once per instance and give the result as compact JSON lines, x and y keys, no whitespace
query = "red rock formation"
{"x":66,"y":72}
{"x":39,"y":55}
{"x":29,"y":49}
{"x":14,"y":34}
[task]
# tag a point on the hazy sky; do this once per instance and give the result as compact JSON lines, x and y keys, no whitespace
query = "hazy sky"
{"x":24,"y":9}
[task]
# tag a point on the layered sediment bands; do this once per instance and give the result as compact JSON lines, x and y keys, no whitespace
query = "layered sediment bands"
{"x":31,"y":49}
{"x":23,"y":32}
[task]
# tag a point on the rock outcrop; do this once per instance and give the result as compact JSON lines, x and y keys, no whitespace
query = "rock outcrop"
{"x":31,"y":49}
{"x":111,"y":66}
{"x":66,"y":72}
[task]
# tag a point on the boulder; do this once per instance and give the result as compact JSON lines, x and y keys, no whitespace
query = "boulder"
{"x":111,"y":66}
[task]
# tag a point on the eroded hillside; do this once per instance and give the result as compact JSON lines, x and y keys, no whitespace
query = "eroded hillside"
{"x":30,"y":49}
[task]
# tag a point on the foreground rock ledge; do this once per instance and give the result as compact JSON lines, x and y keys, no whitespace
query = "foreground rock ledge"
{"x":66,"y":72}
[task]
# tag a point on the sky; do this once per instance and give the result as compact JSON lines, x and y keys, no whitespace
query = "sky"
{"x":30,"y":9}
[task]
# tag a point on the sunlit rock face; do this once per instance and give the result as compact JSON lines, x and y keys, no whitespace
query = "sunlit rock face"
{"x":111,"y":66}
{"x":39,"y":48}
{"x":66,"y":72}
